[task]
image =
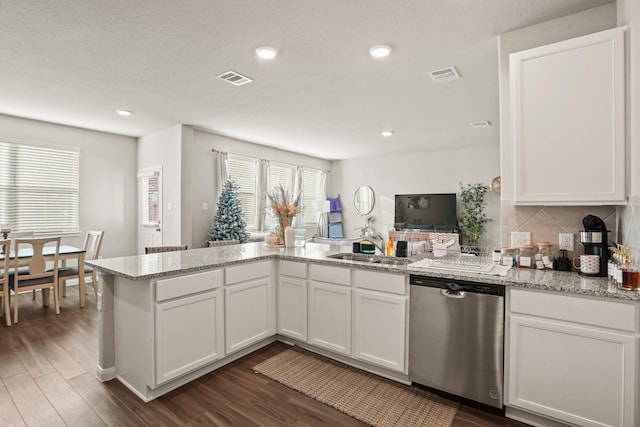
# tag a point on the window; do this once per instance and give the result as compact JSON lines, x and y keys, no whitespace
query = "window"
{"x":279,"y":174}
{"x":39,"y":188}
{"x":242,"y":170}
{"x":311,"y":179}
{"x":149,"y":186}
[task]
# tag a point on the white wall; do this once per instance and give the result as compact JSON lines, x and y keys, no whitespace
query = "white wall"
{"x":428,"y":172}
{"x":203,"y":172}
{"x":163,"y":148}
{"x":107,"y":179}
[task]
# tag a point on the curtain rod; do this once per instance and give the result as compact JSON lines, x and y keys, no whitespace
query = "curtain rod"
{"x":213,"y":150}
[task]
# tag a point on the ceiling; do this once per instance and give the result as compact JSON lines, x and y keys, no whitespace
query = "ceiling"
{"x":76,"y":62}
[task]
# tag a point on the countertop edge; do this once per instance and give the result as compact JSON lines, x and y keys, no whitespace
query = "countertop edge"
{"x":570,"y":283}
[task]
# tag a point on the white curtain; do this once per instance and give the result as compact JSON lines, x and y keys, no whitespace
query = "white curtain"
{"x":262,"y":188}
{"x":223,"y":170}
{"x":298,"y":183}
{"x":323,"y":221}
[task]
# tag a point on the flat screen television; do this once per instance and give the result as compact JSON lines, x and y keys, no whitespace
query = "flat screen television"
{"x":426,"y":212}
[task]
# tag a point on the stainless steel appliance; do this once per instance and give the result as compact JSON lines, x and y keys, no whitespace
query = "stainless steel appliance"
{"x":456,"y":338}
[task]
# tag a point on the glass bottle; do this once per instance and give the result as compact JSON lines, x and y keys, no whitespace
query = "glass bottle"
{"x":390,"y":246}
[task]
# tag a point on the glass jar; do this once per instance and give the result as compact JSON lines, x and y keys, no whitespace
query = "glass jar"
{"x":544,"y":257}
{"x":526,"y":257}
{"x":508,"y":256}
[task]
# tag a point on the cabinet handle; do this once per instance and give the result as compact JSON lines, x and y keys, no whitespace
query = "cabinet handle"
{"x":453,"y":294}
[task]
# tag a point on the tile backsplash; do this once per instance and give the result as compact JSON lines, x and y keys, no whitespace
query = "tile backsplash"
{"x":630,"y":222}
{"x":546,"y":222}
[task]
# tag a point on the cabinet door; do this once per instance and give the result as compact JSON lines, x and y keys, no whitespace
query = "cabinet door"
{"x":380,"y":329}
{"x":575,"y":374}
{"x":247,"y":313}
{"x":188,"y":334}
{"x":292,"y":307}
{"x":330,"y":316}
{"x":568,"y":121}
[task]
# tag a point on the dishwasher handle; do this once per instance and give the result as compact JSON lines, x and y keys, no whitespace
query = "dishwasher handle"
{"x":452,"y":294}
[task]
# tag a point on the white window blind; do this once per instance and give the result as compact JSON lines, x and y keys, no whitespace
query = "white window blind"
{"x":311,"y":179}
{"x":39,"y":188}
{"x":150,"y":200}
{"x":279,"y":174}
{"x":242,"y":170}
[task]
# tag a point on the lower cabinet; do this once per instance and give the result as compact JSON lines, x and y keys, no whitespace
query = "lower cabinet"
{"x":292,"y":300}
{"x":380,"y":327}
{"x":573,"y":359}
{"x":249,"y":305}
{"x":330,"y":308}
{"x":189,"y":334}
{"x":188,"y":327}
{"x":380,"y":319}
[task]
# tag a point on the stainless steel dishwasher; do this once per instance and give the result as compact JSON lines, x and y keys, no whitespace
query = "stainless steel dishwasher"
{"x":456,"y":338}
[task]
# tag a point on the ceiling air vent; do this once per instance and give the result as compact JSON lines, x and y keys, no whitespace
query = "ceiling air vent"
{"x":444,"y":74}
{"x":234,"y":78}
{"x":481,"y":124}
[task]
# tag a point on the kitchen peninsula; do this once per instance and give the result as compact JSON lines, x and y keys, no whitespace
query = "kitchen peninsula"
{"x":223,"y":303}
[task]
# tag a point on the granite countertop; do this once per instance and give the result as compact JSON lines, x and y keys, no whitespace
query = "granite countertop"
{"x":145,"y":267}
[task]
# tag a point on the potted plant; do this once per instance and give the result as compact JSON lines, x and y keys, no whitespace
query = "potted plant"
{"x":473,"y":215}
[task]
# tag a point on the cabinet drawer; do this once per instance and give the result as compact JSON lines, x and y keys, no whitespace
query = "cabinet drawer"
{"x":383,"y":282}
{"x":185,"y":285}
{"x":244,"y":272}
{"x":607,"y":314}
{"x":325,"y":273}
{"x":294,"y":269}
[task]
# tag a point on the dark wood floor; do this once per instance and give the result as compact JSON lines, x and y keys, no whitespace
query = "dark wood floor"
{"x":47,"y":373}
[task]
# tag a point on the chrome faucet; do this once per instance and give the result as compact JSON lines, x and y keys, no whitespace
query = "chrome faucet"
{"x":368,"y":233}
{"x":381,"y":245}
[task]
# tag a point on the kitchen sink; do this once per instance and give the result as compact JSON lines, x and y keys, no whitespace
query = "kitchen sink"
{"x":373,"y":259}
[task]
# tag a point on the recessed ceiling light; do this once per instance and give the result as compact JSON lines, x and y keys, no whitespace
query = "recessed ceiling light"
{"x":380,"y":51}
{"x":124,"y":113}
{"x":387,"y":133}
{"x":267,"y":52}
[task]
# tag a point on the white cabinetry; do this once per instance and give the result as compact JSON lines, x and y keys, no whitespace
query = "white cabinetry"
{"x":380,"y":333}
{"x":573,"y":359}
{"x":292,"y":299}
{"x":249,"y":305}
{"x":568,"y":120}
{"x":330,"y":308}
{"x":188,"y":324}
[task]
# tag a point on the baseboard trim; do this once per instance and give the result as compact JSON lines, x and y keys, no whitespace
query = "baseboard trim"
{"x":106,"y":374}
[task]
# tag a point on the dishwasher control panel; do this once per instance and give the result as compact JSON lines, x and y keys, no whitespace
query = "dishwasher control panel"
{"x":457,"y":285}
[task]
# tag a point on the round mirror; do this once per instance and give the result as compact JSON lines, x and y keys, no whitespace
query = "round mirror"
{"x":363,"y":200}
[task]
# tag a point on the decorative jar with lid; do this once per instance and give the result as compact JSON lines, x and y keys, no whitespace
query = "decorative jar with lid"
{"x":508,"y":256}
{"x":526,"y":257}
{"x":544,"y":256}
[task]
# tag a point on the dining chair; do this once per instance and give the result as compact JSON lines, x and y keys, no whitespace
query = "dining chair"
{"x":158,"y":249}
{"x":5,"y":249}
{"x":35,"y":275}
{"x":92,"y":244}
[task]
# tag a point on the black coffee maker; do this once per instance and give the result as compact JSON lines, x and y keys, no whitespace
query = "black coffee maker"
{"x":595,"y":240}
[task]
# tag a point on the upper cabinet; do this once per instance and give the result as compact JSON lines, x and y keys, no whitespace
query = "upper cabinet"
{"x":568,"y":121}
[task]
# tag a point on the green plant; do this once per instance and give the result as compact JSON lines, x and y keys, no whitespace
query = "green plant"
{"x":473,"y":215}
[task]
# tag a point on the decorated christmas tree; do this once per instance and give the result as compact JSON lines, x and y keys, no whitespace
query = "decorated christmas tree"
{"x":228,"y":223}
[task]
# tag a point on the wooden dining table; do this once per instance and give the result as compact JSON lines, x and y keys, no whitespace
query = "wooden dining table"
{"x":65,"y":254}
